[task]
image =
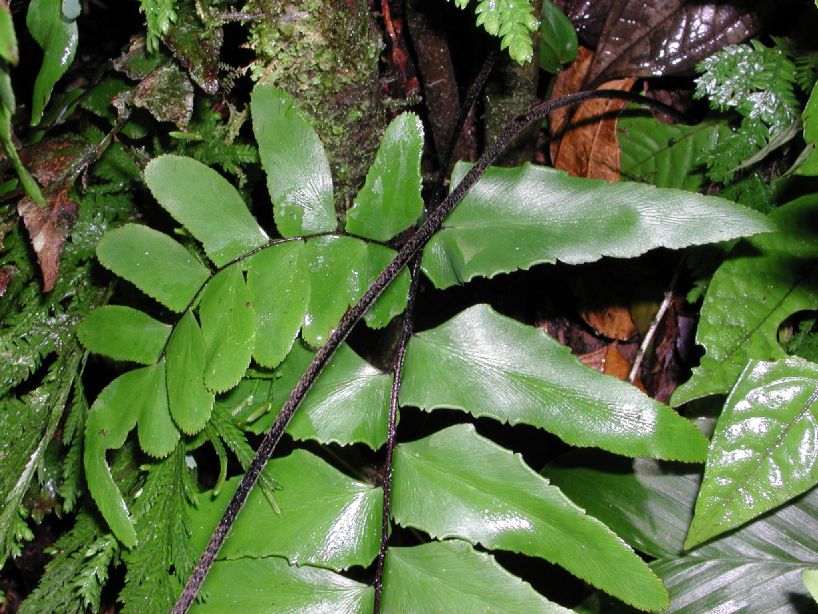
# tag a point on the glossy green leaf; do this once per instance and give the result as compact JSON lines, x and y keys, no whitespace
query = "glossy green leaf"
{"x":764,"y":450}
{"x":490,"y":365}
{"x":298,"y":174}
{"x":154,"y":263}
{"x":340,"y":271}
{"x":558,"y":44}
{"x":8,"y":39}
{"x":189,"y":401}
{"x":349,"y":403}
{"x":458,"y":484}
{"x":271,"y":586}
{"x":228,"y":328}
{"x":280,"y":290}
{"x":158,"y":434}
{"x":57,"y":37}
{"x":750,"y":296}
{"x":451,"y":576}
{"x":135,"y":396}
{"x":390,"y":200}
{"x":754,"y":570}
{"x":810,"y":579}
{"x":207,"y":205}
{"x":514,"y":218}
{"x":666,"y":155}
{"x":7,"y":105}
{"x":123,"y":333}
{"x":327,"y":519}
{"x":648,"y":503}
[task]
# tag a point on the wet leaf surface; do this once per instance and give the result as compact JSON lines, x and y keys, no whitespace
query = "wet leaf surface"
{"x":196,"y":47}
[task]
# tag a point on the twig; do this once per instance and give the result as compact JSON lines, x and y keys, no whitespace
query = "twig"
{"x":654,"y":325}
{"x":407,"y":253}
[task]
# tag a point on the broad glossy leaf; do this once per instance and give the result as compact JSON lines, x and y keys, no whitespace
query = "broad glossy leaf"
{"x":57,"y":37}
{"x":298,"y":174}
{"x":154,"y":263}
{"x":207,"y":205}
{"x":666,"y":155}
{"x":648,"y":503}
{"x":327,"y":518}
{"x":451,"y":576}
{"x":764,"y":450}
{"x":517,"y":217}
{"x":271,"y":586}
{"x":390,"y":200}
{"x":340,"y":271}
{"x":158,"y":434}
{"x":228,"y":328}
{"x":646,"y":38}
{"x":458,"y":484}
{"x":280,"y":290}
{"x":751,"y":295}
{"x":189,"y":401}
{"x":113,"y":415}
{"x":558,"y":44}
{"x":349,"y":403}
{"x":123,"y":333}
{"x":489,"y":365}
{"x":810,"y":117}
{"x":754,"y":570}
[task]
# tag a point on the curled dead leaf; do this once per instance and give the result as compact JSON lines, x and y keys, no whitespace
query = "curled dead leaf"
{"x":48,"y":228}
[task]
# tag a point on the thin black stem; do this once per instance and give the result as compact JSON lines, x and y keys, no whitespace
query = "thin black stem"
{"x":405,"y":333}
{"x":471,"y":97}
{"x":407,"y":253}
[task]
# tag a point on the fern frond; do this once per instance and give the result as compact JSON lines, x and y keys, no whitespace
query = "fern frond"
{"x":156,"y":569}
{"x":757,"y":82}
{"x":72,"y":471}
{"x":512,"y":21}
{"x":159,"y":15}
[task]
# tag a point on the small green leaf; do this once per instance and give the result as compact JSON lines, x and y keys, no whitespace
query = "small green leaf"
{"x":810,"y":579}
{"x":451,"y":576}
{"x":113,"y":415}
{"x":327,"y":519}
{"x":228,"y":328}
{"x":754,"y":570}
{"x":458,"y":484}
{"x":349,"y":403}
{"x":763,"y":451}
{"x":271,"y":586}
{"x":390,"y":200}
{"x":123,"y":333}
{"x":57,"y":37}
{"x":810,"y":119}
{"x":558,"y":45}
{"x":280,"y":289}
{"x":298,"y":173}
{"x":8,"y":39}
{"x":158,"y":434}
{"x":340,"y":271}
{"x":517,"y":217}
{"x":490,"y":365}
{"x":207,"y":205}
{"x":189,"y":401}
{"x":777,"y":279}
{"x":666,"y":155}
{"x":154,"y":263}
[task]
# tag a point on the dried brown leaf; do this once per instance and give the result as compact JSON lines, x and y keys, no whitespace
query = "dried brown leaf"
{"x":48,"y":229}
{"x":613,"y":322}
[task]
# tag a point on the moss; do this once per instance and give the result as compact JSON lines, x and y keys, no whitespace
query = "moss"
{"x":325,"y":53}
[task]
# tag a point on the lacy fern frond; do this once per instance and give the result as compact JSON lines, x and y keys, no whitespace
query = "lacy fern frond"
{"x":757,"y":82}
{"x":159,"y":15}
{"x":512,"y":21}
{"x":164,"y":557}
{"x":59,"y":589}
{"x":72,"y":473}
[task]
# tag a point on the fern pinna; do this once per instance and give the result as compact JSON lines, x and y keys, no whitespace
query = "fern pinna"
{"x":244,"y":320}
